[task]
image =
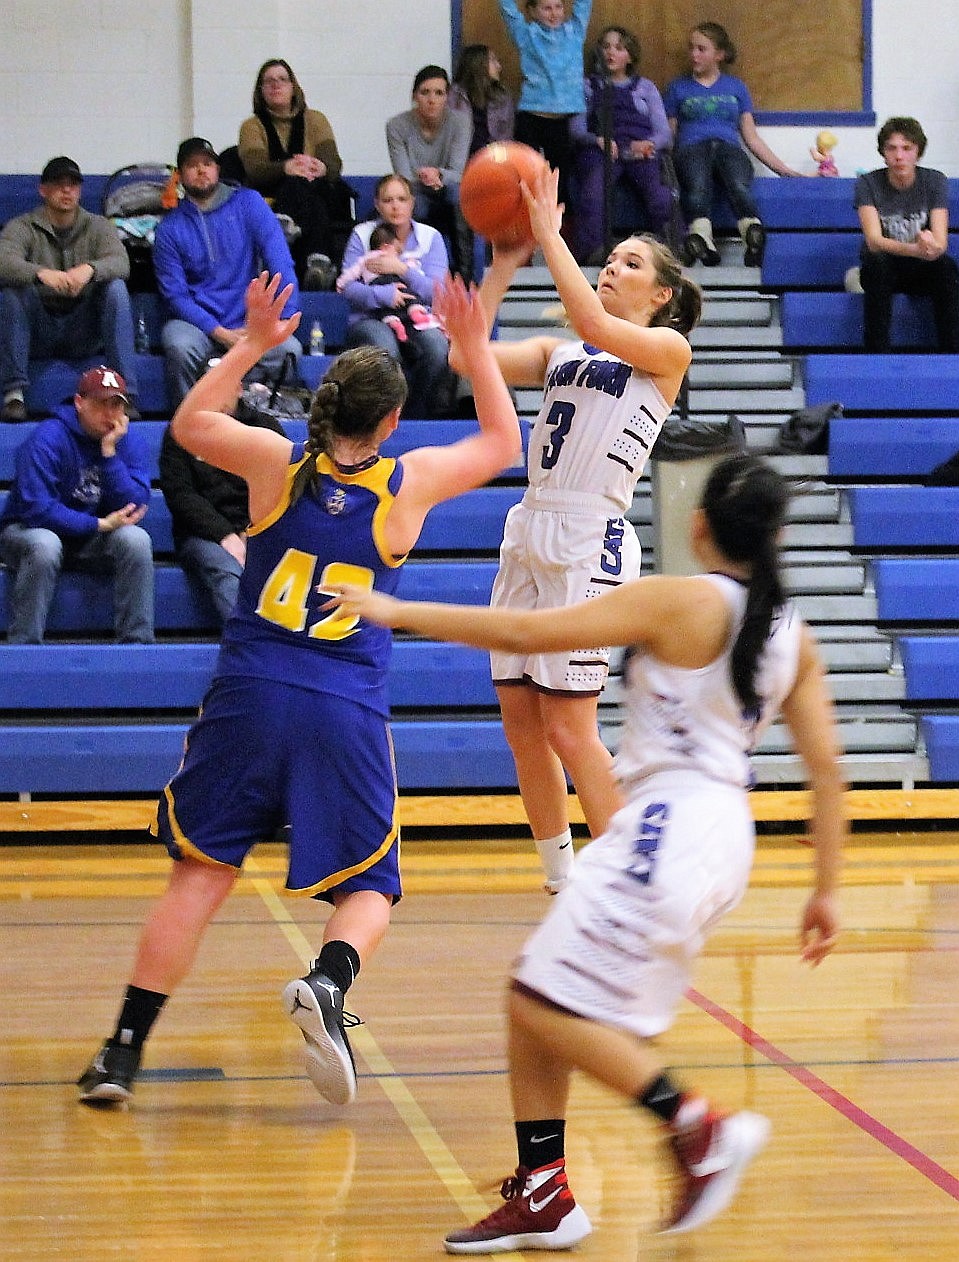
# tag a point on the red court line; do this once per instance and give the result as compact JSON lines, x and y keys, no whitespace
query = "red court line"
{"x":835,"y":1099}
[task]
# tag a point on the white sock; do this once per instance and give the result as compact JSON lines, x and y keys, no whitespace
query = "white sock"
{"x":556,"y":855}
{"x":703,"y":228}
{"x":16,"y":393}
{"x":744,"y":224}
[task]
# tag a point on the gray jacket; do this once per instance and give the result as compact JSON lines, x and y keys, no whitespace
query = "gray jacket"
{"x":29,"y":243}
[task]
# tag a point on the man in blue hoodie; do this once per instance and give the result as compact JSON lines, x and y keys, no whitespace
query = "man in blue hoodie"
{"x":81,"y":485}
{"x":206,"y":253}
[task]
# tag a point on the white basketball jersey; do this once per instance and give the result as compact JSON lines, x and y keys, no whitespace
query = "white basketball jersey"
{"x":597,"y":425}
{"x":681,"y":719}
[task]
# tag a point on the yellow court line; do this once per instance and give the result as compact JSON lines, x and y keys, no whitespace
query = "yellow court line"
{"x":427,"y":1138}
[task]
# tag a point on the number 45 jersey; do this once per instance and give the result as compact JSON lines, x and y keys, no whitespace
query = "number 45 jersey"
{"x":332,"y":534}
{"x":597,"y":425}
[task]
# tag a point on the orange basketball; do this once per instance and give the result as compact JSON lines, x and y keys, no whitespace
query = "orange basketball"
{"x":490,"y":195}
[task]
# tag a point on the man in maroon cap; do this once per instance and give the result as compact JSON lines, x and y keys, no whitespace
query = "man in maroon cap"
{"x":63,"y":288}
{"x":81,"y":485}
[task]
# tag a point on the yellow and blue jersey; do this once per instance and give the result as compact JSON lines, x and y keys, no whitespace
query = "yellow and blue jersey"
{"x":333,"y":533}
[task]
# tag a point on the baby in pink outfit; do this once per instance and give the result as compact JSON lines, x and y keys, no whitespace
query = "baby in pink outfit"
{"x":404,"y":320}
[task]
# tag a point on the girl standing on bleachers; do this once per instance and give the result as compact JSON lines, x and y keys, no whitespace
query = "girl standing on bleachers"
{"x":711,"y":114}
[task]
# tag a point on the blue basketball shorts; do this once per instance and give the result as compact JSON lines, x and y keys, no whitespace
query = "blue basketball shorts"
{"x":263,"y":755}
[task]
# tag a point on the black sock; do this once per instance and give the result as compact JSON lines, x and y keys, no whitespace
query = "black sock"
{"x":339,"y":962}
{"x":540,"y":1143}
{"x":662,"y":1097}
{"x":140,"y":1009}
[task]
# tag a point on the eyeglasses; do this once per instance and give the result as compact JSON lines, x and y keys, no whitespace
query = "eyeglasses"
{"x":272,"y":80}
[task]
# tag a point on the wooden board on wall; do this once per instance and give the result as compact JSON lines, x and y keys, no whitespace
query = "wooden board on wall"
{"x":794,"y":59}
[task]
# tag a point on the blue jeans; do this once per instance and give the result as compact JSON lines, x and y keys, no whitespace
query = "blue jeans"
{"x":187,"y":350}
{"x":216,"y":571}
{"x":696,"y":168}
{"x":424,"y":357}
{"x":101,"y":322}
{"x":38,"y":555}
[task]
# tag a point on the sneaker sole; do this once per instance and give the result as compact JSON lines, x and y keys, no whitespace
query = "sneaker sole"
{"x":574,"y":1228}
{"x":330,"y":1067}
{"x":749,"y":1135}
{"x":106,"y":1093}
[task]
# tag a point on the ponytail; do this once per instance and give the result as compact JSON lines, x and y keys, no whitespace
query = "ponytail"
{"x":685,"y":305}
{"x":745,"y":503}
{"x":360,"y":387}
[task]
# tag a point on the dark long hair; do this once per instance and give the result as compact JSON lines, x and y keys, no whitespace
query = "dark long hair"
{"x":596,"y":64}
{"x":473,"y":76}
{"x":684,"y":308}
{"x":745,"y":503}
{"x":297,"y":104}
{"x":359,"y":388}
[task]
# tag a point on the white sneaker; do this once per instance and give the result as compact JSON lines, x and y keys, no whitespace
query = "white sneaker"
{"x":712,"y":1157}
{"x":315,"y":1004}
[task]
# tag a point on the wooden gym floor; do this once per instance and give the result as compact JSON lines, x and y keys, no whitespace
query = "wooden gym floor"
{"x":228,"y":1153}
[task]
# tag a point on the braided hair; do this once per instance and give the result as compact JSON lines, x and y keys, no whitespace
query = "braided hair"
{"x":745,"y":503}
{"x":359,"y":388}
{"x":683,"y":309}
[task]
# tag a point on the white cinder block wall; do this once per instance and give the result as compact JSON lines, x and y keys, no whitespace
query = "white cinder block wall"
{"x":110,"y":82}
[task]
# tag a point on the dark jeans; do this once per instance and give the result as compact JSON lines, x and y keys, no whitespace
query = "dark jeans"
{"x":644,"y":175}
{"x":883,"y":275}
{"x":100,"y":323}
{"x":440,"y":208}
{"x":424,"y":359}
{"x":696,"y":168}
{"x":215,"y":570}
{"x":323,"y":210}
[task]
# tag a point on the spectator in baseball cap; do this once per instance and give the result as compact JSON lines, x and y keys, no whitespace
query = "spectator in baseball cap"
{"x":61,"y":168}
{"x":63,"y":288}
{"x":195,"y":145}
{"x":81,"y":486}
{"x":206,"y":252}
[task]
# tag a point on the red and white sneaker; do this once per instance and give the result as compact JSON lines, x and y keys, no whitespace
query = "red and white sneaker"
{"x":712,"y":1156}
{"x":539,"y":1213}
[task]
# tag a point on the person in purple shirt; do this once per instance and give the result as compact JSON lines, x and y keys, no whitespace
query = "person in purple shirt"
{"x":206,"y":253}
{"x":420,"y":264}
{"x":628,"y":109}
{"x":81,"y":486}
{"x":711,"y":114}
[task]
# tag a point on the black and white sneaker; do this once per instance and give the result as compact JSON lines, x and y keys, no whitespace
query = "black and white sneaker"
{"x":108,"y":1079}
{"x":755,"y":242}
{"x":315,"y":1004}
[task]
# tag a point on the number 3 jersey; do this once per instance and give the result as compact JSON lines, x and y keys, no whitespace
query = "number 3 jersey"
{"x":597,"y":425}
{"x":332,"y":534}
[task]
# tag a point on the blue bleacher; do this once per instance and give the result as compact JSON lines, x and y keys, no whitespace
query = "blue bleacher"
{"x":890,"y":517}
{"x":931,"y":666}
{"x":431,"y":756}
{"x":917,"y":590}
{"x":941,"y":735}
{"x":816,"y":260}
{"x":832,"y":320}
{"x":59,"y":677}
{"x":890,"y":446}
{"x":884,"y":383}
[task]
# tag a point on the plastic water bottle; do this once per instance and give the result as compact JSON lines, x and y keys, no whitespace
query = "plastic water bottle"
{"x":141,"y":338}
{"x":317,"y":341}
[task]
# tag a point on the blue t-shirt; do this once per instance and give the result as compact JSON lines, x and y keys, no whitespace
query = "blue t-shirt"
{"x":703,"y":113}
